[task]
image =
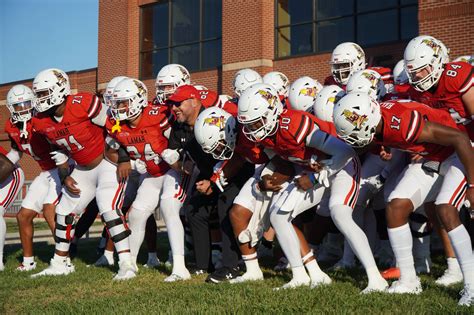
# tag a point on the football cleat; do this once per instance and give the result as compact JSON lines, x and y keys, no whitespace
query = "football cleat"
{"x":55,"y":268}
{"x":322,"y":279}
{"x":410,"y":287}
{"x":450,"y":276}
{"x":467,"y":296}
{"x":294,"y":283}
{"x":223,"y":274}
{"x":126,"y":271}
{"x":380,"y":286}
{"x":178,"y":277}
{"x":254,"y":276}
{"x":103,"y":262}
{"x":152,"y":262}
{"x":27,"y":267}
{"x":282,"y":265}
{"x":391,"y":273}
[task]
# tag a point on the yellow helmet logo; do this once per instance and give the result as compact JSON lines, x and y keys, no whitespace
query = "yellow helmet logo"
{"x":355,"y":119}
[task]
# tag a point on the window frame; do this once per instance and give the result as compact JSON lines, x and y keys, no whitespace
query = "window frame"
{"x":314,"y":23}
{"x":170,"y":46}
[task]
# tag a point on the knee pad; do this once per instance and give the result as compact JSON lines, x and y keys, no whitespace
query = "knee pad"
{"x":64,"y":231}
{"x":419,"y":225}
{"x":116,"y":225}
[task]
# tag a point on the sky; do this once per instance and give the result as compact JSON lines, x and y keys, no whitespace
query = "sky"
{"x":41,"y":34}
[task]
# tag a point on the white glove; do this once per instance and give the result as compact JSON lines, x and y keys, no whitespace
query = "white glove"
{"x":467,"y":204}
{"x":218,"y":176}
{"x":322,"y":177}
{"x":170,"y":156}
{"x":59,"y":157}
{"x":139,"y":166}
{"x":375,"y":183}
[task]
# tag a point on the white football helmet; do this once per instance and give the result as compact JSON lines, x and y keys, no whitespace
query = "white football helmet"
{"x":424,"y":54}
{"x":129,"y":99}
{"x":356,"y":117}
{"x":467,"y":58}
{"x":109,"y":90}
{"x":245,"y":78}
{"x":215,"y":130}
{"x":346,"y":59}
{"x":20,"y":103}
{"x":400,"y":76}
{"x":367,"y":81}
{"x":168,"y":79}
{"x":258,"y":111}
{"x":279,"y":81}
{"x":51,"y":87}
{"x":325,"y":100}
{"x":303,"y":93}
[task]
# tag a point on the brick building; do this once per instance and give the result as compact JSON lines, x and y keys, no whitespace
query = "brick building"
{"x":216,"y":38}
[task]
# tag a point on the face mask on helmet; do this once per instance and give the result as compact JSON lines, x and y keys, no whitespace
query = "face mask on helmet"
{"x":22,"y":111}
{"x":20,"y":103}
{"x":51,"y":87}
{"x":121,"y":109}
{"x":341,"y":71}
{"x":422,"y":78}
{"x":128,"y":100}
{"x":169,"y":78}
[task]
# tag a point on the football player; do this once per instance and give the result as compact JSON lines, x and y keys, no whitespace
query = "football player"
{"x":442,"y":176}
{"x":301,"y":138}
{"x":142,"y":131}
{"x":43,"y":193}
{"x":280,"y":82}
{"x":11,"y":181}
{"x":303,"y":93}
{"x":243,"y":79}
{"x":75,"y":123}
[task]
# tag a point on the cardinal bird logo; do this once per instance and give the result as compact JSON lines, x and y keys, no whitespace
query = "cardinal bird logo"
{"x":355,"y":119}
{"x":371,"y":77}
{"x":269,"y":97}
{"x":140,"y":87}
{"x":309,"y":91}
{"x":432,"y":44}
{"x":215,"y":121}
{"x":61,"y":79}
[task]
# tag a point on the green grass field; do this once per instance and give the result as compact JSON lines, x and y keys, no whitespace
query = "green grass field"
{"x":91,"y":290}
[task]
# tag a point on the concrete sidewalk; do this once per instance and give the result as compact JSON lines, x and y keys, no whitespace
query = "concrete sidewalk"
{"x":45,"y":235}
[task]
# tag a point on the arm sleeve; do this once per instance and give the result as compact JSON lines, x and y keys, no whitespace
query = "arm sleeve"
{"x":341,"y":152}
{"x":14,"y":156}
{"x":173,"y":140}
{"x":100,"y":118}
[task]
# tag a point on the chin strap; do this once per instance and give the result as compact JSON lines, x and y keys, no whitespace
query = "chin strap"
{"x":117,"y":127}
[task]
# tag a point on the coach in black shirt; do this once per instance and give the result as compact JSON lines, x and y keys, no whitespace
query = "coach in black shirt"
{"x":186,"y":105}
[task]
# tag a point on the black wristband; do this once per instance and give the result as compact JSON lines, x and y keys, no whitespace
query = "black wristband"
{"x":63,"y":173}
{"x":123,"y":155}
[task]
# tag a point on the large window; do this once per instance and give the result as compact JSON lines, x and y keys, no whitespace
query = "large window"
{"x":313,"y":26}
{"x":180,"y":31}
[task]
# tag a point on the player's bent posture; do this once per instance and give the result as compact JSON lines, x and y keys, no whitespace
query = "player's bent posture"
{"x":300,"y":137}
{"x":443,"y":177}
{"x":75,"y":124}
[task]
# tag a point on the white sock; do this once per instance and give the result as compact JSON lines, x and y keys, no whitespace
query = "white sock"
{"x":342,"y":217}
{"x":289,"y":242}
{"x":299,"y":273}
{"x":58,"y":258}
{"x":463,"y":248}
{"x":313,"y":269}
{"x":251,"y":263}
{"x":109,"y":255}
{"x":125,"y":256}
{"x":137,"y":222}
{"x":28,"y":260}
{"x":170,"y":209}
{"x":178,"y":263}
{"x":3,"y":235}
{"x":453,"y":264}
{"x":402,"y":244}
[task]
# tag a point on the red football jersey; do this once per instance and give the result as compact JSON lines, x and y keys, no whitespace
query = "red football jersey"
{"x":146,"y":141}
{"x":36,"y":145}
{"x":403,"y":122}
{"x":289,"y":141}
{"x":457,"y":79}
{"x":75,"y":133}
